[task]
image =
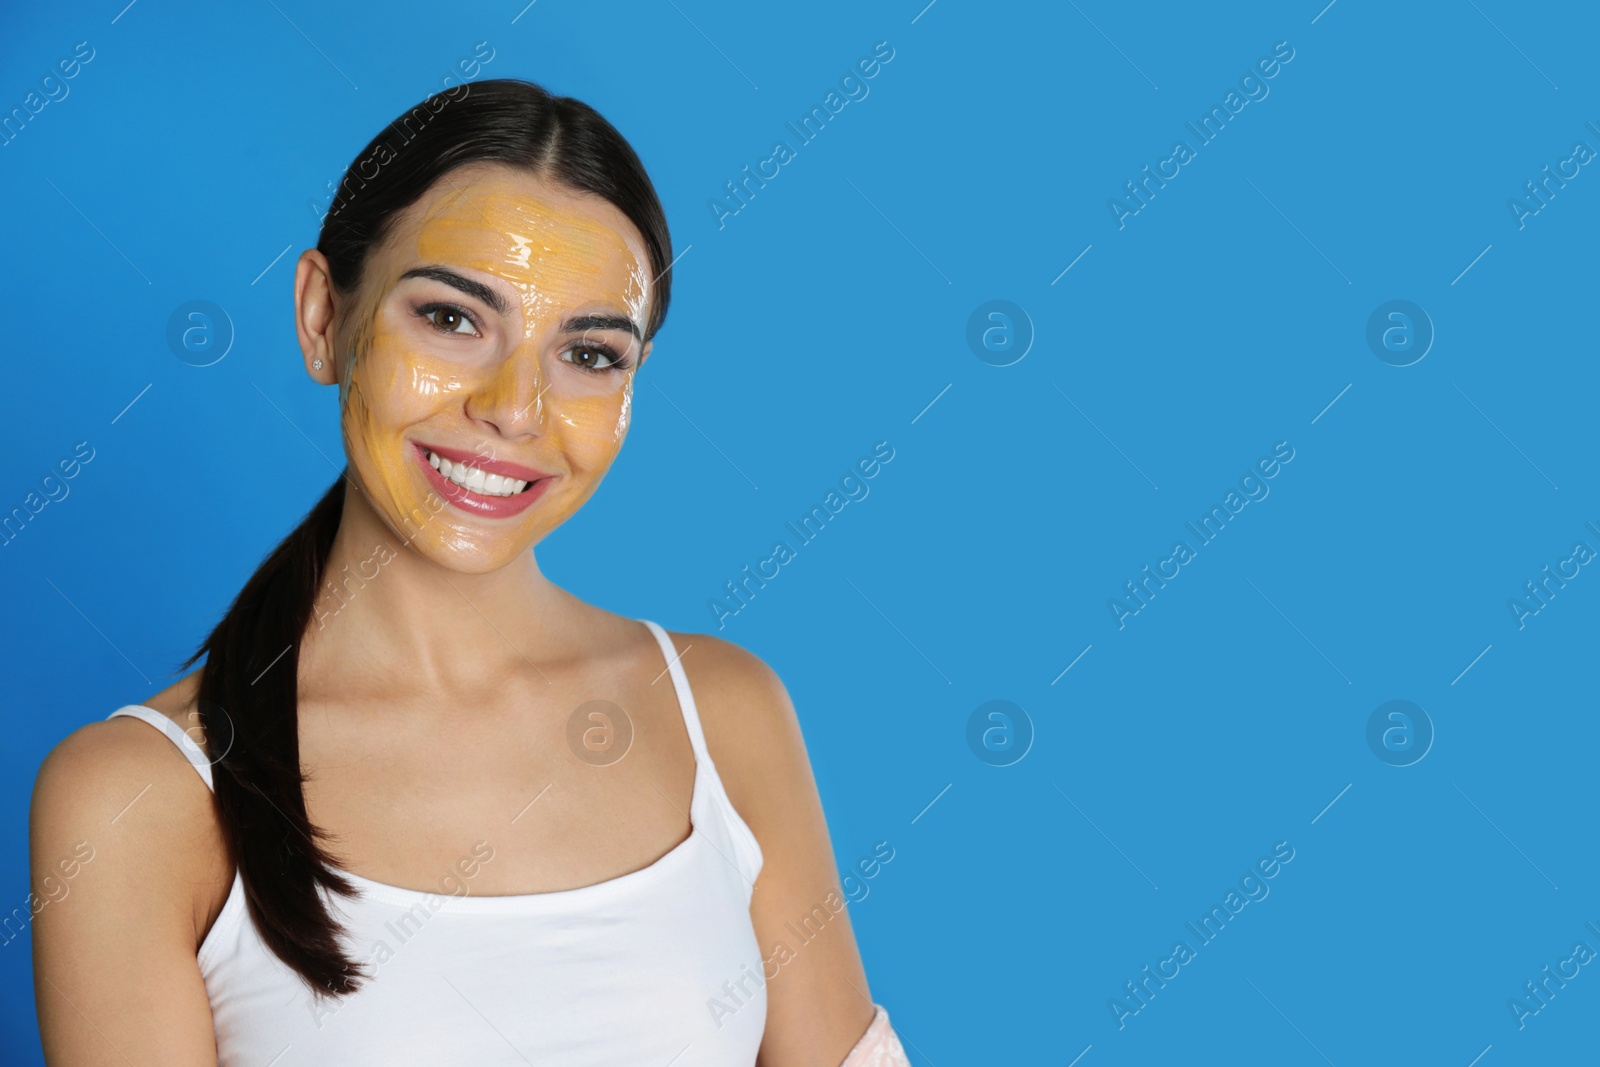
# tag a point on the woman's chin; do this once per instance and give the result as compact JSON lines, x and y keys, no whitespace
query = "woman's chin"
{"x":457,"y":551}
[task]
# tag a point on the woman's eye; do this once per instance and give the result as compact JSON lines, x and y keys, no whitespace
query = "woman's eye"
{"x":590,"y":357}
{"x":448,"y":319}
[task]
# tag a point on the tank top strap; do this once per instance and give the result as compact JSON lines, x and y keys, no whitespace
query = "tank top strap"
{"x":192,"y":752}
{"x":730,"y":834}
{"x":686,"y":704}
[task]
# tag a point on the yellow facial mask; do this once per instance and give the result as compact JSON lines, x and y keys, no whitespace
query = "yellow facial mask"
{"x":502,"y":337}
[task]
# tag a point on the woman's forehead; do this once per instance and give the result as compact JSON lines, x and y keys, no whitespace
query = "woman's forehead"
{"x":532,"y":234}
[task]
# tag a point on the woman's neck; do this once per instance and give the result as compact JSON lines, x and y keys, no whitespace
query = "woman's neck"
{"x":387,"y":614}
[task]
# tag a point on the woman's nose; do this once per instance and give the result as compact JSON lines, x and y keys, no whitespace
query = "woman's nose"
{"x":512,"y":398}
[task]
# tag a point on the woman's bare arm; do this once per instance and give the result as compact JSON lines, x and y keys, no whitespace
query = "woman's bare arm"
{"x":124,"y":855}
{"x":818,"y":1003}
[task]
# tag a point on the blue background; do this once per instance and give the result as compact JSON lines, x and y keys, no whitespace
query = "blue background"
{"x":826,"y":316}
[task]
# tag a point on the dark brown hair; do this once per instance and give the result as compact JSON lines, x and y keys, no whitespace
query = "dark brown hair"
{"x":248,"y":692}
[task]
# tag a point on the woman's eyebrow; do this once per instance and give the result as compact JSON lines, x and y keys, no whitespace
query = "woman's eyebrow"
{"x":601,"y":322}
{"x":477,"y":290}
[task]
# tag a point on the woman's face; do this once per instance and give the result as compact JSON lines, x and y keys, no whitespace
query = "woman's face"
{"x":486,"y":370}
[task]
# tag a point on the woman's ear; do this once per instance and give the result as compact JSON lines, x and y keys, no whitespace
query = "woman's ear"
{"x":644,"y":353}
{"x":314,"y":315}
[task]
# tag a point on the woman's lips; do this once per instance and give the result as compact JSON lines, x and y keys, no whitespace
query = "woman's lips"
{"x":502,"y":467}
{"x":494,"y":507}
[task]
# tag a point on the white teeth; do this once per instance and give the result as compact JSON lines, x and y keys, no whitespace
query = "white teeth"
{"x":475,"y":480}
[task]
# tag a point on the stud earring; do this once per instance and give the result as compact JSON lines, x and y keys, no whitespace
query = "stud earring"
{"x":316,"y":364}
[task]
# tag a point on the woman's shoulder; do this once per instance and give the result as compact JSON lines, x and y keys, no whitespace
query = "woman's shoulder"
{"x":110,"y":748}
{"x":122,"y":795}
{"x":750,"y":724}
{"x":127,"y":789}
{"x":729,"y":674}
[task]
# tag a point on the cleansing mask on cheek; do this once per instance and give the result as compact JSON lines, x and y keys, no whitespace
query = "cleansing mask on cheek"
{"x":386,"y":389}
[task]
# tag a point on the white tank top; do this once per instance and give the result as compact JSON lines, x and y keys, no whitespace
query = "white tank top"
{"x":642,"y":969}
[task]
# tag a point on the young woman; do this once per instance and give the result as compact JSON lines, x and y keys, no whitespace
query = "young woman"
{"x":420,"y":805}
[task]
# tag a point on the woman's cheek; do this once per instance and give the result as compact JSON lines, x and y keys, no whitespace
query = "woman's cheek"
{"x":594,"y":427}
{"x":389,"y":391}
{"x":429,"y":381}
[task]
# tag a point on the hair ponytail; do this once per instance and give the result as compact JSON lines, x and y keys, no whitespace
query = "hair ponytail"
{"x":248,"y":703}
{"x":248,"y":694}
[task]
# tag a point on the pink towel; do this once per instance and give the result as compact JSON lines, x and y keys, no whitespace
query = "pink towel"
{"x":878,"y":1047}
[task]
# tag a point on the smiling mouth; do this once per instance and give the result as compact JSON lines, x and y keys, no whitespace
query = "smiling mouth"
{"x":474,"y":480}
